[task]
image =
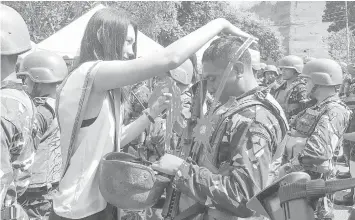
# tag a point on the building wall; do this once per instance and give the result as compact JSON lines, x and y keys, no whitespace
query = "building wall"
{"x":307,"y":32}
{"x":300,"y":24}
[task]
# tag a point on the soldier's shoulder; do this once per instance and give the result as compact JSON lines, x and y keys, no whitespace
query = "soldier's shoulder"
{"x":259,"y":114}
{"x":16,"y":107}
{"x":337,"y":110}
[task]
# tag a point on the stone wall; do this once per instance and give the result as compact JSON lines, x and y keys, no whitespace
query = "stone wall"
{"x":300,"y":24}
{"x":307,"y":32}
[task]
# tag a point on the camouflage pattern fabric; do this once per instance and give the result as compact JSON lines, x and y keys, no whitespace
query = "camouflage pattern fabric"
{"x":17,"y":143}
{"x":237,"y":166}
{"x":324,"y":136}
{"x":37,"y":200}
{"x":296,"y":94}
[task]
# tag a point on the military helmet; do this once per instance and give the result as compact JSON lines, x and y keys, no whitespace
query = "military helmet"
{"x":271,"y":68}
{"x":184,"y":73}
{"x":15,"y":38}
{"x":43,"y":67}
{"x":292,"y":62}
{"x":324,"y":72}
{"x":128,"y":184}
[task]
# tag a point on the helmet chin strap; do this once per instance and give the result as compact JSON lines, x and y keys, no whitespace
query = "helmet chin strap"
{"x":35,"y":91}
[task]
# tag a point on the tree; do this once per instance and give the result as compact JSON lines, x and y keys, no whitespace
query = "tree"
{"x":193,"y":15}
{"x":163,"y":21}
{"x":152,"y":17}
{"x":45,"y":18}
{"x":335,"y":13}
{"x":337,"y":47}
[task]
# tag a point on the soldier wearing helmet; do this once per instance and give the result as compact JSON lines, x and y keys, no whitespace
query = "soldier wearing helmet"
{"x":348,"y":95}
{"x":41,"y":73}
{"x":271,"y":73}
{"x":291,"y":94}
{"x":18,"y":131}
{"x":318,"y":130}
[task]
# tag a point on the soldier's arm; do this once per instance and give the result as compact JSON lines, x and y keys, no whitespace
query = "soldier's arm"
{"x":7,"y":185}
{"x":44,"y":119}
{"x":325,"y":138}
{"x":238,"y":179}
{"x":301,"y":98}
{"x":22,"y":151}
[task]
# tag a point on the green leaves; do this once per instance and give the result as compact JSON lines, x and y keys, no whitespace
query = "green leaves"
{"x":335,"y":13}
{"x":163,"y":21}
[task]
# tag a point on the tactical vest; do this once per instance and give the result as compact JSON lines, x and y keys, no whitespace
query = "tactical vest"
{"x":222,"y":151}
{"x":304,"y":125}
{"x":222,"y":135}
{"x":48,"y":160}
{"x":284,"y":103}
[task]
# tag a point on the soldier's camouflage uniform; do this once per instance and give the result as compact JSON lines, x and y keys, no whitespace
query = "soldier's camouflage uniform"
{"x":323,"y":126}
{"x":348,"y":95}
{"x":37,"y":200}
{"x":347,"y":81}
{"x":291,"y":98}
{"x":248,"y":130}
{"x":17,"y":145}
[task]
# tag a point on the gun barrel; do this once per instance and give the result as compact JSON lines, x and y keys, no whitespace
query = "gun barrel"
{"x":313,"y":188}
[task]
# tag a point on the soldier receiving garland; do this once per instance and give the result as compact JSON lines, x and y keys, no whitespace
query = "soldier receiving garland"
{"x":195,"y":146}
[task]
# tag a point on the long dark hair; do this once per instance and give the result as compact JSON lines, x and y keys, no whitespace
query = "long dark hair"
{"x":105,"y":35}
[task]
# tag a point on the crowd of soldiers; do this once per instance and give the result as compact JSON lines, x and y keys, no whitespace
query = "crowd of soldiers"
{"x":265,"y":122}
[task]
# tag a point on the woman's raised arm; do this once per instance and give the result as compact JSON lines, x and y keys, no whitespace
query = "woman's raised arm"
{"x":117,"y":74}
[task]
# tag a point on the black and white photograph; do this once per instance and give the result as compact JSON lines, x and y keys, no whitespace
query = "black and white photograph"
{"x":177,"y":110}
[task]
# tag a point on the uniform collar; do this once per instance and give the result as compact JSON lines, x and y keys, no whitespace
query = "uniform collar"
{"x":332,"y":98}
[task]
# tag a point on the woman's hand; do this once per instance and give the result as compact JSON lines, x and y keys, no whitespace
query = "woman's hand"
{"x":162,"y":103}
{"x":229,"y":28}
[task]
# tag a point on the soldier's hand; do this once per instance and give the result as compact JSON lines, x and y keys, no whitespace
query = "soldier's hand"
{"x":168,"y":164}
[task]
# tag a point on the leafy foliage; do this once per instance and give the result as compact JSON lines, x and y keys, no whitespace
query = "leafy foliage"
{"x":44,"y":18}
{"x":335,"y":13}
{"x":163,"y":21}
{"x":337,"y":47}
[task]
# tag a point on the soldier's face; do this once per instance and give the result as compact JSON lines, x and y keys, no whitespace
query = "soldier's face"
{"x":287,"y":73}
{"x":29,"y":86}
{"x":212,"y":72}
{"x":309,"y":87}
{"x":270,"y":76}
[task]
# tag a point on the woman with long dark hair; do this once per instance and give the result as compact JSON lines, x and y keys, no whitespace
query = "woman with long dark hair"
{"x":88,"y":103}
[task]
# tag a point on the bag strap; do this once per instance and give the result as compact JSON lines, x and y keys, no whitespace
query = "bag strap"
{"x":115,"y":98}
{"x":89,"y":80}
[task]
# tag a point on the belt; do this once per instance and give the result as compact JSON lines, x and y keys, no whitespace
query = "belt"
{"x":10,"y":212}
{"x":43,"y":188}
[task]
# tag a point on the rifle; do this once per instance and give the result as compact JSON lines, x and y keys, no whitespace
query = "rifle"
{"x":184,"y":148}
